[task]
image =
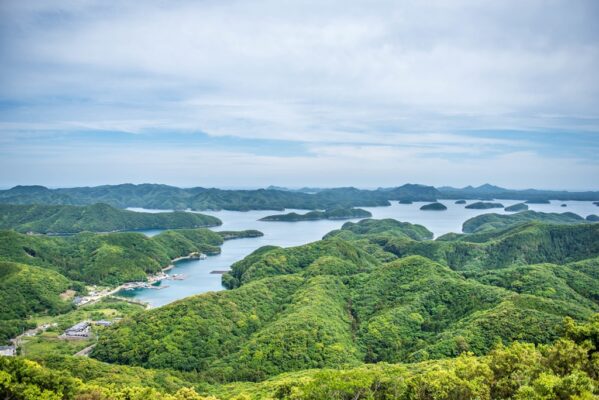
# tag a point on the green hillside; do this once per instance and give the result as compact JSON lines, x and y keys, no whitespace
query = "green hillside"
{"x":94,"y":218}
{"x":359,"y":297}
{"x":26,"y":290}
{"x":112,"y":258}
{"x":565,"y":369}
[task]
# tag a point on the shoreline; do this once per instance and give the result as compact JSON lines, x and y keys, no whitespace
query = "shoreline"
{"x":151,"y":279}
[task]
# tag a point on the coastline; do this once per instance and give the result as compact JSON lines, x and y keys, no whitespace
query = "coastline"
{"x":151,"y":279}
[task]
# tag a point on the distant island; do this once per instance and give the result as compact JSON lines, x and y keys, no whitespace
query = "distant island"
{"x":434,"y":207}
{"x":489,"y":192}
{"x":250,"y":233}
{"x":483,"y":205}
{"x":460,"y":202}
{"x":517,"y":207}
{"x":338,"y":213}
{"x":538,"y":201}
{"x":164,"y":197}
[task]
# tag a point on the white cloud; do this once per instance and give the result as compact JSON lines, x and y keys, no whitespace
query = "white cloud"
{"x":399,"y":84}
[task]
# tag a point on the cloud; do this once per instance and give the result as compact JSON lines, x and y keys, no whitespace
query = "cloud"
{"x":435,"y":81}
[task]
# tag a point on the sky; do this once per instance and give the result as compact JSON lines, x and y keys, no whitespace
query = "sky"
{"x":300,"y":93}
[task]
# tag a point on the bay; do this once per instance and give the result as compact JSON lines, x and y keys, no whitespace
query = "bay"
{"x":199,"y":274}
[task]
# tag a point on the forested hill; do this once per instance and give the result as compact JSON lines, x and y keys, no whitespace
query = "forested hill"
{"x":36,"y":269}
{"x":169,"y":197}
{"x":490,"y":222}
{"x":374,"y":291}
{"x":565,"y":369}
{"x":94,"y":218}
{"x":111,"y":258}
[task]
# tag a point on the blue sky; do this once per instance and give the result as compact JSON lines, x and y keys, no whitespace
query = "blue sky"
{"x":319,"y":93}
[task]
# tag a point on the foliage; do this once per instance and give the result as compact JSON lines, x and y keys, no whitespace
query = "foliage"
{"x":25,"y":290}
{"x":565,"y":369}
{"x":276,"y":261}
{"x":529,"y":243}
{"x":94,"y":218}
{"x":108,"y":259}
{"x":408,"y":309}
{"x":489,"y":222}
{"x":380,"y":228}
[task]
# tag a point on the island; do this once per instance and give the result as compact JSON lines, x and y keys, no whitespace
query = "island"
{"x":250,"y":233}
{"x":517,"y":207}
{"x":460,"y":202}
{"x":405,"y":201}
{"x":592,"y":218}
{"x":564,"y":205}
{"x":538,"y":201}
{"x":337,"y":213}
{"x":483,"y":205}
{"x":99,"y":217}
{"x":434,"y":207}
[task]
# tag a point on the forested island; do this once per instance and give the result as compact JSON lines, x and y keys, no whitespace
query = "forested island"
{"x":483,"y":205}
{"x":62,"y":219}
{"x":434,"y":207}
{"x":517,"y":207}
{"x":334,"y":214}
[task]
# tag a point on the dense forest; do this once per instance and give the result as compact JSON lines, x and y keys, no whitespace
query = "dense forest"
{"x":36,"y":269}
{"x":373,"y":291}
{"x":565,"y":369}
{"x":94,"y":218}
{"x":376,"y":309}
{"x":490,"y":222}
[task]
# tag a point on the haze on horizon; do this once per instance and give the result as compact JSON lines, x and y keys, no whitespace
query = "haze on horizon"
{"x":305,"y":93}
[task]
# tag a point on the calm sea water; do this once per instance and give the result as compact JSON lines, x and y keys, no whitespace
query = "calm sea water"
{"x":198,"y":273}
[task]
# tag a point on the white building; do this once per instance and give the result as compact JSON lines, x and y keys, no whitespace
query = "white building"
{"x":8,"y":351}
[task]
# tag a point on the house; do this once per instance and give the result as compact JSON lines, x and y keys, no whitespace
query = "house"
{"x":103,"y":322}
{"x":80,"y":330}
{"x":8,"y":351}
